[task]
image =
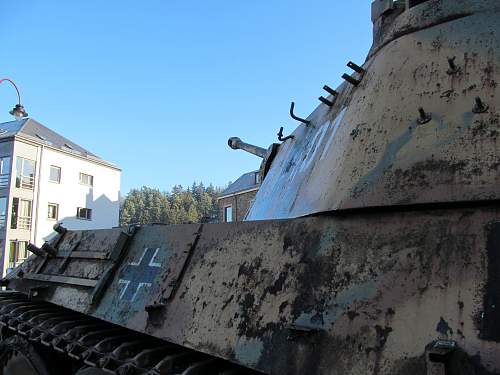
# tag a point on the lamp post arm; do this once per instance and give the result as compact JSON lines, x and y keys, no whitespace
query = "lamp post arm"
{"x":13,"y":84}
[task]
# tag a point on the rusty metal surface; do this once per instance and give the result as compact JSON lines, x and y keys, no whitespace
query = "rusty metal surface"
{"x":82,"y":263}
{"x":86,"y":340}
{"x":150,"y":273}
{"x":428,"y":13}
{"x":237,"y":144}
{"x":372,"y":149}
{"x":357,"y":293}
{"x":360,"y":294}
{"x":376,"y":291}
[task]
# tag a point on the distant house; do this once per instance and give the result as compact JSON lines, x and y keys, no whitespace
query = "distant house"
{"x":47,"y":179}
{"x":235,"y":201}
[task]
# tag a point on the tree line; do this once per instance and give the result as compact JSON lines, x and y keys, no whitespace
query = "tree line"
{"x":195,"y":204}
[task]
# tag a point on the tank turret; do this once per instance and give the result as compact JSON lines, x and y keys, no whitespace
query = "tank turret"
{"x":414,"y":124}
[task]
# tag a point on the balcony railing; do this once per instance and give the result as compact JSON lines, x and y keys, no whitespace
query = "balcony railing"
{"x":4,"y":181}
{"x":25,"y":182}
{"x":24,"y":223}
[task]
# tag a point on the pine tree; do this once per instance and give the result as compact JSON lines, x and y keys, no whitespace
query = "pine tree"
{"x":192,"y":205}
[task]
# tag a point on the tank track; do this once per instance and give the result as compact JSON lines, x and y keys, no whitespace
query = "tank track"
{"x":95,"y":343}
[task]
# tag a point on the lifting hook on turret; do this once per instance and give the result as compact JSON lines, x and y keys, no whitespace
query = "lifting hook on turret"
{"x":332,"y":92}
{"x":356,"y":68}
{"x":353,"y":81}
{"x":304,"y":121}
{"x":283,"y":139}
{"x":325,"y":101}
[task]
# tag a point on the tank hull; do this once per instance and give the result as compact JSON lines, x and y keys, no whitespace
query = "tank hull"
{"x":374,"y":246}
{"x":358,"y":292}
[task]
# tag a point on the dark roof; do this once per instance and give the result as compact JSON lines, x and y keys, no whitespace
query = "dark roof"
{"x":245,"y":182}
{"x":32,"y":129}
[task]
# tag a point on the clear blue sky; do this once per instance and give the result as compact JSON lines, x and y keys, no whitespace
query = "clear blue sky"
{"x":157,"y":86}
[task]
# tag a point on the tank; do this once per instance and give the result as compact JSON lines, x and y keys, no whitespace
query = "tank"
{"x":372,"y":247}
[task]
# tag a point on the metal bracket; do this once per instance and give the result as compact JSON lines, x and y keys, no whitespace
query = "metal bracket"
{"x":350,"y":79}
{"x":479,"y":106}
{"x":438,"y":356}
{"x":300,"y":119}
{"x":117,"y":254}
{"x":156,"y":313}
{"x":356,"y":68}
{"x":283,"y":139}
{"x":454,"y":69}
{"x":36,"y":290}
{"x":331,"y":91}
{"x":177,"y":276}
{"x":325,"y":101}
{"x":424,"y":116}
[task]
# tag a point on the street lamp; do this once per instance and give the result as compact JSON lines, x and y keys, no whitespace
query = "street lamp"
{"x":18,"y":111}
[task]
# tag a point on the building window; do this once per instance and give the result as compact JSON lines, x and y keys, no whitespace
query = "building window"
{"x":53,"y":211}
{"x":257,"y":178}
{"x":25,"y":173}
{"x":228,"y":214}
{"x":55,"y":174}
{"x":3,"y":212}
{"x":18,"y":252}
{"x":4,"y":171}
{"x":21,"y":214}
{"x":86,"y":179}
{"x":84,"y":213}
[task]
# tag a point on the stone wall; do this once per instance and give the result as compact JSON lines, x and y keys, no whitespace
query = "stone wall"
{"x":240,"y":203}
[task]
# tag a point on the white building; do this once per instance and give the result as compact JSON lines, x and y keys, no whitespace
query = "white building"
{"x":47,"y":179}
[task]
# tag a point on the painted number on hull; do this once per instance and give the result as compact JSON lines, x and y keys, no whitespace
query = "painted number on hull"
{"x":138,"y":275}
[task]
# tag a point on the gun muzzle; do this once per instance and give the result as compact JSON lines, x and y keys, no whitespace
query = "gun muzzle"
{"x":237,"y":144}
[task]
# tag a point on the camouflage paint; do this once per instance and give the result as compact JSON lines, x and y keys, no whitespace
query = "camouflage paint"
{"x":380,"y":155}
{"x":349,"y":293}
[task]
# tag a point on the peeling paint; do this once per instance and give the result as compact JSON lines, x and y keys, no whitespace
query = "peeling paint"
{"x":248,"y":350}
{"x":338,"y":306}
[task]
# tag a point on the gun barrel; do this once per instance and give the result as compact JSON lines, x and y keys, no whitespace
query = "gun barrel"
{"x":237,"y":144}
